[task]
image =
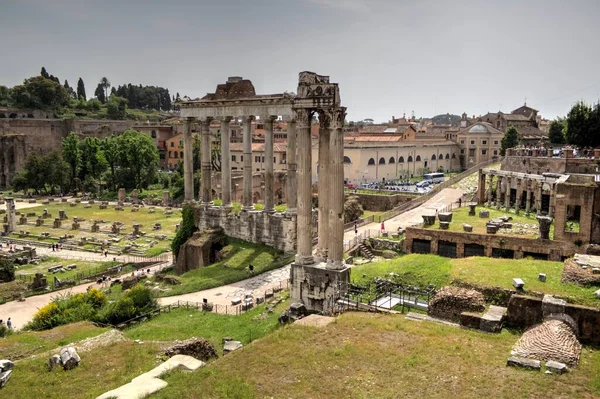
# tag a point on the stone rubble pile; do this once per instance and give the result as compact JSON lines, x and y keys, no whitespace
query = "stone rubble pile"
{"x":449,"y":302}
{"x":6,"y":369}
{"x":198,"y":348}
{"x":67,"y":359}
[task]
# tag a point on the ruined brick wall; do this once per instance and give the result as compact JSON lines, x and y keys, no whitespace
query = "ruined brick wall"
{"x":381,"y":202}
{"x":539,"y":165}
{"x":276,"y":230}
{"x":555,"y":250}
{"x":585,"y":196}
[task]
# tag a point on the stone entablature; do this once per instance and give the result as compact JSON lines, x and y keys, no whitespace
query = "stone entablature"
{"x":521,"y":247}
{"x":540,"y":164}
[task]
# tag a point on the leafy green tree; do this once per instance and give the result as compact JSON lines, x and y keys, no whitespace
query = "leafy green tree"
{"x":5,"y":96}
{"x":138,"y":159}
{"x":44,"y":73}
{"x":510,"y":140}
{"x":117,"y":107}
{"x":578,"y":124}
{"x":39,"y":93}
{"x":81,"y":90}
{"x":105,"y":83}
{"x":72,"y":153}
{"x":110,"y":147}
{"x":556,"y":134}
{"x":47,"y":173}
{"x":99,"y":93}
{"x":7,"y":270}
{"x":93,"y":161}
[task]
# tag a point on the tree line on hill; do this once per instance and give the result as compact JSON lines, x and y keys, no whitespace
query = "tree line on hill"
{"x":129,"y":160}
{"x":45,"y":91}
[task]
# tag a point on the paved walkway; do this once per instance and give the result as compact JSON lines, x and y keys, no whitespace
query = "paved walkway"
{"x":438,"y":202}
{"x":222,"y":296}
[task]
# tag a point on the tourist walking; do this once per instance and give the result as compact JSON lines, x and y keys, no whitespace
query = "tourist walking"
{"x":9,"y":323}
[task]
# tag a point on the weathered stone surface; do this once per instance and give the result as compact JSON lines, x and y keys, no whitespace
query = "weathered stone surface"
{"x":4,"y":377}
{"x":445,"y":217}
{"x":231,"y":346}
{"x":200,"y":250}
{"x":556,"y":367}
{"x":551,"y":340}
{"x":542,"y":277}
{"x":6,"y":365}
{"x":491,"y":228}
{"x":69,"y":358}
{"x":529,"y":364}
{"x":552,"y":305}
{"x":53,"y":362}
{"x":449,"y":302}
{"x":428,"y":220}
{"x":518,"y":283}
{"x":130,"y":281}
{"x":493,"y":319}
{"x":467,"y":228}
{"x":444,"y":225}
{"x":470,"y":319}
{"x":198,"y":348}
{"x":184,"y":362}
{"x":484,"y":214}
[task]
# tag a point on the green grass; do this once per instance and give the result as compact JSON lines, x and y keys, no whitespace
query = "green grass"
{"x":101,"y":369}
{"x":24,"y":344}
{"x":461,"y":216}
{"x":110,"y":215}
{"x":380,"y":356}
{"x":375,"y":214}
{"x":83,"y":266}
{"x":182,"y":324}
{"x":233,"y":268}
{"x":12,"y":289}
{"x":421,"y":270}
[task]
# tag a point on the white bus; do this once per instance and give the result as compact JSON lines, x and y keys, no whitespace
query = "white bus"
{"x":434,"y":177}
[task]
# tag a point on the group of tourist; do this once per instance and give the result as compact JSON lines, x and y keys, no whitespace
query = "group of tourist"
{"x":56,"y":247}
{"x":9,"y":246}
{"x":8,"y":323}
{"x":541,"y":150}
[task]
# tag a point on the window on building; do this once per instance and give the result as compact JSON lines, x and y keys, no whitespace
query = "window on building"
{"x":410,"y":158}
{"x":181,"y":154}
{"x":401,"y":160}
{"x":176,"y":154}
{"x":153,"y":134}
{"x":263,"y":160}
{"x":447,"y":156}
{"x":483,"y":152}
{"x":392,"y":160}
{"x":471,"y":152}
{"x":462,"y":151}
{"x":472,"y":142}
{"x":495,"y":142}
{"x":347,"y":159}
{"x":181,"y":143}
{"x":233,"y":158}
{"x":274,"y":159}
{"x":418,"y":158}
{"x":454,"y":154}
{"x":484,"y":142}
{"x":371,"y":161}
{"x":495,"y":152}
{"x":241,"y":158}
{"x":573,"y":218}
{"x":256,"y":159}
{"x":433,"y":157}
{"x":172,"y":144}
{"x":462,"y":141}
{"x":170,"y":154}
{"x":381,"y":161}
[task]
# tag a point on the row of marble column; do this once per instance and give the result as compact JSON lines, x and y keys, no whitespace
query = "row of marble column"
{"x":330,"y":245}
{"x":529,"y":186}
{"x":205,"y":194}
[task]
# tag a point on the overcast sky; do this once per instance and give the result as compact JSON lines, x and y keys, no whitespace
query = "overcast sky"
{"x":389,"y":56}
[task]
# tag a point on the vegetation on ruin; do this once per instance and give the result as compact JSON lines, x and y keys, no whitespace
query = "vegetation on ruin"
{"x":365,"y":355}
{"x":185,"y":323}
{"x":583,"y":125}
{"x":510,"y":139}
{"x":186,"y":229}
{"x":422,"y":270}
{"x":22,"y":344}
{"x":29,"y":270}
{"x":461,"y":216}
{"x":234,"y":267}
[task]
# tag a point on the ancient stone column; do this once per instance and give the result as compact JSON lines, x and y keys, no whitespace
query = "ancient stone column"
{"x":205,"y":162}
{"x":248,"y":163}
{"x":527,"y":197}
{"x":225,"y":162}
{"x":11,"y":214}
{"x":507,"y":194}
{"x":269,"y":183}
{"x":498,"y":191}
{"x":481,"y":188}
{"x":336,"y":189}
{"x":519,"y":195}
{"x":538,"y":197}
{"x":489,"y":193}
{"x":304,"y":254}
{"x":544,"y":226}
{"x":291,"y":167}
{"x":323,"y":171}
{"x":188,"y":161}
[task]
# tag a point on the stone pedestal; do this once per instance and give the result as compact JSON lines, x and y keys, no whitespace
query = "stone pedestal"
{"x":472,"y":209}
{"x":22,"y":220}
{"x":166,"y":198}
{"x":95,"y":228}
{"x":62,"y":215}
{"x":134,"y":196}
{"x":11,"y":215}
{"x":39,"y":221}
{"x":428,"y":220}
{"x":57,"y":223}
{"x":121,"y":195}
{"x":318,"y":287}
{"x":445,"y":216}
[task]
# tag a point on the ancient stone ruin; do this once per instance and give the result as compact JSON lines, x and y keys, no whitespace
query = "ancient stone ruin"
{"x":449,"y":302}
{"x":200,"y":250}
{"x":197,"y":348}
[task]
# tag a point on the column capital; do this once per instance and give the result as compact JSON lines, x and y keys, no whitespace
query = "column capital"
{"x":326,"y":118}
{"x":206,"y":121}
{"x":303,"y":117}
{"x":248,"y":118}
{"x":225,"y":119}
{"x":268,"y":118}
{"x":339,"y":115}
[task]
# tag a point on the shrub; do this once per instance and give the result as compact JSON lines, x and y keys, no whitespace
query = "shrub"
{"x":48,"y":316}
{"x":142,"y":298}
{"x":7,"y":270}
{"x":186,"y":229}
{"x":5,"y":331}
{"x":117,"y":312}
{"x":96,"y":298}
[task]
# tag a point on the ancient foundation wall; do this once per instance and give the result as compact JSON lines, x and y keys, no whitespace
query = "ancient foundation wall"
{"x":381,"y":202}
{"x":525,"y":311}
{"x":317,"y":287}
{"x":522,"y":247}
{"x":539,"y":165}
{"x":277,"y":230}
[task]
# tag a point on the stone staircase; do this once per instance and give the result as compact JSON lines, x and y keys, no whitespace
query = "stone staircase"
{"x":365,"y":251}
